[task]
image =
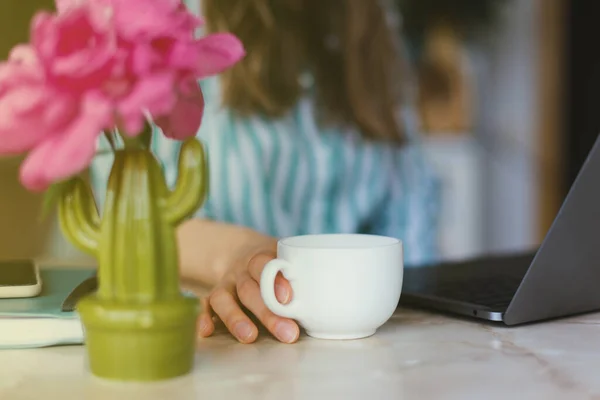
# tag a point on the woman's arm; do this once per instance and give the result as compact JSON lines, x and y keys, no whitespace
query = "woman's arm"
{"x":207,"y":249}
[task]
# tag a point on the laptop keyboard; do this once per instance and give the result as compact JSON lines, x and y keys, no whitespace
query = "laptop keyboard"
{"x":495,"y":292}
{"x":487,"y":282}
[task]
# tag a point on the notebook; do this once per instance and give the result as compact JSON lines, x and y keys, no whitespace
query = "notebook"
{"x":40,"y":321}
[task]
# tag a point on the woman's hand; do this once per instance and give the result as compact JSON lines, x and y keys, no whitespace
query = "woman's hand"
{"x":240,"y":285}
{"x":236,"y":257}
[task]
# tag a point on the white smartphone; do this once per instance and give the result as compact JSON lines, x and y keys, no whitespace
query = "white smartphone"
{"x":19,"y":278}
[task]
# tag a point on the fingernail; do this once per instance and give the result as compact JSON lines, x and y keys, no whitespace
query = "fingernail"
{"x":287,"y":332}
{"x":282,"y":294}
{"x":242,"y":330}
{"x":203,"y":326}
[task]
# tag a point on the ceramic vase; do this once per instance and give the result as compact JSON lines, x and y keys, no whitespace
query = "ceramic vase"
{"x":138,"y":324}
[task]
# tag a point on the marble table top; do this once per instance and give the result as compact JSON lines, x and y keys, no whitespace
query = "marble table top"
{"x":414,"y":356}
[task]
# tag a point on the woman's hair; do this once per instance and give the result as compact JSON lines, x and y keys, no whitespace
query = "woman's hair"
{"x":347,"y":45}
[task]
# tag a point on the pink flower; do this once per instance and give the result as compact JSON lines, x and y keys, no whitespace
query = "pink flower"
{"x":157,"y":39}
{"x":100,"y":64}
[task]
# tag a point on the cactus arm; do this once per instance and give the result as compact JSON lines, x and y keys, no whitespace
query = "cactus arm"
{"x":78,"y":215}
{"x":192,"y":183}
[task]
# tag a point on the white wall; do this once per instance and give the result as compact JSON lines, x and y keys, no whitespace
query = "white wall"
{"x":507,"y":126}
{"x":458,"y":162}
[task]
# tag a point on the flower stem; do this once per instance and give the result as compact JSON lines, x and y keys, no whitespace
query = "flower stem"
{"x":111,"y":140}
{"x":140,"y":141}
{"x":146,"y":136}
{"x":131,"y":142}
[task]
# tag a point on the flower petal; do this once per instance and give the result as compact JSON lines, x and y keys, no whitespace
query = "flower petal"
{"x":24,"y":55}
{"x":30,"y":114}
{"x":217,"y":52}
{"x":154,"y":18}
{"x":69,"y":152}
{"x":65,"y":5}
{"x":185,"y":118}
{"x":14,"y":74}
{"x":153,"y":94}
{"x":18,"y":133}
{"x":77,"y":50}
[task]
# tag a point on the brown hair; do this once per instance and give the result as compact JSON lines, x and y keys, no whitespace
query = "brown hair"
{"x":347,"y":45}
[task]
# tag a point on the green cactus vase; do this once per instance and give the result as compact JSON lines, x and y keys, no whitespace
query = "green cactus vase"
{"x":138,"y":325}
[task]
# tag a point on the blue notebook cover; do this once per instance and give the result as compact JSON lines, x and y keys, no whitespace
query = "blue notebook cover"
{"x":39,"y":321}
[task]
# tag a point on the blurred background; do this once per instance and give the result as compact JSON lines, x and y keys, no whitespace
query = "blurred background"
{"x":507,"y":90}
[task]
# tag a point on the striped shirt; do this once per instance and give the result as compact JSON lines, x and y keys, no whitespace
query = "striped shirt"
{"x":291,"y":176}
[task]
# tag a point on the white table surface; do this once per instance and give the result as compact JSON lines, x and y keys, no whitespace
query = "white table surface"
{"x":414,"y":356}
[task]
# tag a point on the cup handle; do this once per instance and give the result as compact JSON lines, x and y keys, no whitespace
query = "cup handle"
{"x":267,"y":289}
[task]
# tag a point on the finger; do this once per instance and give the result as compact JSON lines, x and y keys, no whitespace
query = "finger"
{"x":285,"y":330}
{"x":283,"y":289}
{"x":257,"y":263}
{"x":206,"y":325}
{"x":224,"y":304}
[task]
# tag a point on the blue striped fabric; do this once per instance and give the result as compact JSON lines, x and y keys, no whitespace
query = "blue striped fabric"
{"x":290,"y":177}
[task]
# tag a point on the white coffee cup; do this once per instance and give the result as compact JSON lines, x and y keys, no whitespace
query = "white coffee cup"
{"x":345,"y":286}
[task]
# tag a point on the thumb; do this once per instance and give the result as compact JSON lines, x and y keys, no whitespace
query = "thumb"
{"x":283,"y":289}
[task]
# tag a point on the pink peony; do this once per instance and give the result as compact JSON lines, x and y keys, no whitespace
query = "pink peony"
{"x":156,"y":47}
{"x":100,"y":64}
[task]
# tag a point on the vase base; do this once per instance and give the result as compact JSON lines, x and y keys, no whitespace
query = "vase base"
{"x":139,"y":342}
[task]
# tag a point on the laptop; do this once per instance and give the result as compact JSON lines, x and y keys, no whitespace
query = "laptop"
{"x":561,"y":278}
